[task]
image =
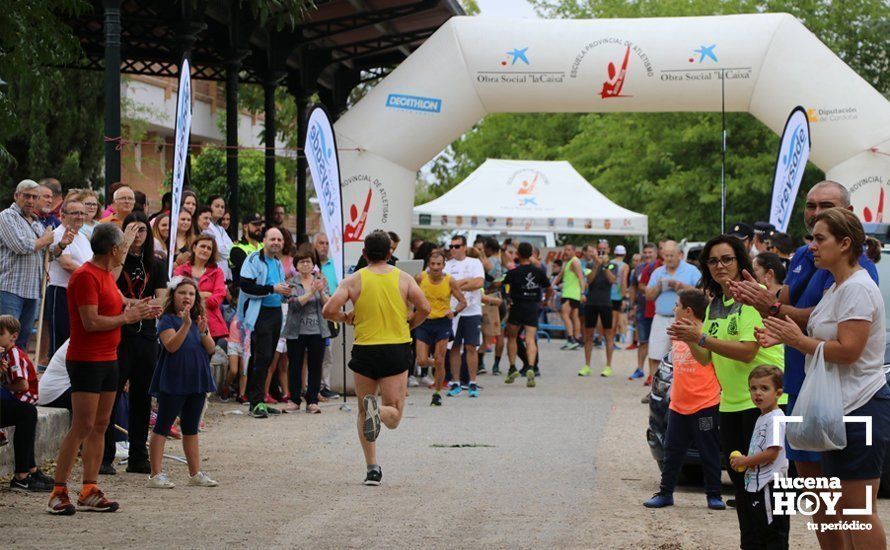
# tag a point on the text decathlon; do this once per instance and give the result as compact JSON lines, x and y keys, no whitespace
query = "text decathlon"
{"x":414,"y":103}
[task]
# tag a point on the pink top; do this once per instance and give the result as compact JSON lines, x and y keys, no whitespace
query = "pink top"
{"x":212,"y":281}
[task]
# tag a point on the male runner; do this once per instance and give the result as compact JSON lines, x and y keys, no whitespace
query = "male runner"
{"x":470,"y":277}
{"x":437,"y":288}
{"x":381,"y":354}
{"x":525,"y":283}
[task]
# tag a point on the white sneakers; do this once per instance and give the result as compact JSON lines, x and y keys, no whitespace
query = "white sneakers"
{"x":412,"y":382}
{"x":161,"y":481}
{"x":202,"y":480}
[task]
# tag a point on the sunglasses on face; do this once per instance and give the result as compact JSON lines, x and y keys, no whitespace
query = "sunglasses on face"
{"x":454,"y":246}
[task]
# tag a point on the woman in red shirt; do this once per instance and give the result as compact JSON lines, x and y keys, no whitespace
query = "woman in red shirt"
{"x":211,"y":283}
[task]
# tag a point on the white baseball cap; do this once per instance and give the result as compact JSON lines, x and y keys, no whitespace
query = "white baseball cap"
{"x":620,"y":250}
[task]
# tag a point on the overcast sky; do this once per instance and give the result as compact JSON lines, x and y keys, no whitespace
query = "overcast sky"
{"x":506,"y":8}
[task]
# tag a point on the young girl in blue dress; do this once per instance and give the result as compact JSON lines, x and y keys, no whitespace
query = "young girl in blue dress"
{"x":181,"y":380}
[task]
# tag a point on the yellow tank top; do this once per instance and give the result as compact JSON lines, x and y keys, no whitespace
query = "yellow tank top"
{"x":381,"y":315}
{"x":438,"y":295}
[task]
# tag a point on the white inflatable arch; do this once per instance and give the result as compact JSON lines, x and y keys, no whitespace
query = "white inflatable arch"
{"x":473,"y":66}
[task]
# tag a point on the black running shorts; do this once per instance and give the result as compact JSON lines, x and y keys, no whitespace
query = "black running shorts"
{"x":92,"y":376}
{"x":594,"y":313}
{"x":381,"y":360}
{"x":524,"y":314}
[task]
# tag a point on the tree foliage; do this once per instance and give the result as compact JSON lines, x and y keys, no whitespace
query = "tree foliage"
{"x":667,"y":165}
{"x":208,"y":177}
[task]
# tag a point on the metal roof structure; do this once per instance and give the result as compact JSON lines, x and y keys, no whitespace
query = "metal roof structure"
{"x":336,"y":45}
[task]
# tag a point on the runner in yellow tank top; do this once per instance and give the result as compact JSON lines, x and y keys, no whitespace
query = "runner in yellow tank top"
{"x":438,"y":288}
{"x":381,"y":354}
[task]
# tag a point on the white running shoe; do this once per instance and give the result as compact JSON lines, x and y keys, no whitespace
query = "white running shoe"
{"x":160,"y":481}
{"x":427,"y":381}
{"x":412,"y":382}
{"x":202,"y":480}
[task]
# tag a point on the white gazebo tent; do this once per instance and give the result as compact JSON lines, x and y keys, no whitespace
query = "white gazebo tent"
{"x":529,"y":195}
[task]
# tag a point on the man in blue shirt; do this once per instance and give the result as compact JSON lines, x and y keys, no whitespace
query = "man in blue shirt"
{"x":665,"y":282}
{"x":804,"y":287}
{"x":259,"y":310}
{"x":322,"y":248}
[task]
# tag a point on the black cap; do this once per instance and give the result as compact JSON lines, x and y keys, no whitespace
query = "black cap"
{"x":252,"y":218}
{"x":764,"y":228}
{"x":742,"y":231}
{"x":782,"y":242}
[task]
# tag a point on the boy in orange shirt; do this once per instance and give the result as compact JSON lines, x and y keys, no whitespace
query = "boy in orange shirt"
{"x":695,"y":396}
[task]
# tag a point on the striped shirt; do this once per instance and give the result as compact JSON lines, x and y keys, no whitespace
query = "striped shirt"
{"x":21,"y":266}
{"x":19,"y":367}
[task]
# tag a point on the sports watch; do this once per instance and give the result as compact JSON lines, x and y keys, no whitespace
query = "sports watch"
{"x":774,"y":309}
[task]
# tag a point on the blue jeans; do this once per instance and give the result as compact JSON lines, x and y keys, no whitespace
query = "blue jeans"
{"x":23,"y":309}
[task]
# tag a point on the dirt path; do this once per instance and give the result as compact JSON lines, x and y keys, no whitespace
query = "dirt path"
{"x":563,"y":465}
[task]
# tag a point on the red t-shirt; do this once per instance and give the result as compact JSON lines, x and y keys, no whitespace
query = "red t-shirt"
{"x":91,"y":285}
{"x":644,"y":280}
{"x":21,"y":367}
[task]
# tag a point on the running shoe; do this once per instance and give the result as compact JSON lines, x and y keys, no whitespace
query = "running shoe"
{"x":512,"y":375}
{"x":374,"y":476}
{"x":60,"y":504}
{"x":437,"y":400}
{"x":632,"y":347}
{"x":95,"y":501}
{"x":272,"y":411}
{"x":107,"y":469}
{"x":537,"y":371}
{"x":286,"y":398}
{"x":292,"y":408}
{"x":412,"y":382}
{"x":495,"y":370}
{"x":636,"y":374}
{"x":371,"y":425}
{"x":160,"y":481}
{"x":427,"y":381}
{"x":648,"y":381}
{"x":328,"y":393}
{"x":240,"y":399}
{"x":607,"y":371}
{"x":715,"y":502}
{"x":575,"y":345}
{"x":174,"y":433}
{"x":30,"y":484}
{"x":568,"y":344}
{"x":530,"y":378}
{"x":454,"y":390}
{"x":269,"y":400}
{"x":259,"y":411}
{"x":645,"y":399}
{"x":39,"y":474}
{"x":585,"y":371}
{"x":481,"y":369}
{"x":202,"y":480}
{"x":660,"y":500}
{"x":473,"y":390}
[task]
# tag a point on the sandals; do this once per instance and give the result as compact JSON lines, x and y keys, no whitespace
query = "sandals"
{"x":313,"y":409}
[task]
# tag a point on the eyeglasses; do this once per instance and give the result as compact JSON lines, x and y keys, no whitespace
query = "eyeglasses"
{"x":724,"y":261}
{"x":91,"y":204}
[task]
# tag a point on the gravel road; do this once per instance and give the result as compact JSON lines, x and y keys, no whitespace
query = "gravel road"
{"x":562,"y":465}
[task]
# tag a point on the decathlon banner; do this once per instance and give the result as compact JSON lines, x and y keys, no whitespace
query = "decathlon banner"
{"x":180,"y":155}
{"x":794,"y":150}
{"x":324,"y":165}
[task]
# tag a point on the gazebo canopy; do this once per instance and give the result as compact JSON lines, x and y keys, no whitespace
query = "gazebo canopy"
{"x":530,"y":195}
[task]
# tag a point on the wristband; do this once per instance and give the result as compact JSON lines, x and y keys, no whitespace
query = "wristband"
{"x":701,"y":340}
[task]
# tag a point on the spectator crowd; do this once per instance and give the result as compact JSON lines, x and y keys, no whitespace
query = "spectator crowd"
{"x":742,"y":323}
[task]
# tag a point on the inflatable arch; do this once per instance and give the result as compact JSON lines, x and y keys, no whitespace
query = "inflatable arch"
{"x":473,"y":66}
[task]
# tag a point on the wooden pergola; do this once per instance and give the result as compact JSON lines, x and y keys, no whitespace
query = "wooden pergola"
{"x":335,"y":47}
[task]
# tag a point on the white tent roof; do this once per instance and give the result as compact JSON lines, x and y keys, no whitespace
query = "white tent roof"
{"x":530,"y":195}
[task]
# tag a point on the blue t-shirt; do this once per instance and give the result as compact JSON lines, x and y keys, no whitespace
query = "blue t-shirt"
{"x":273,"y":266}
{"x":187,"y":370}
{"x":330,"y":274}
{"x":806,"y":285}
{"x":686,"y":273}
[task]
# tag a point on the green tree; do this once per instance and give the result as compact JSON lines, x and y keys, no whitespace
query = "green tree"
{"x":668,"y":164}
{"x":208,"y":177}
